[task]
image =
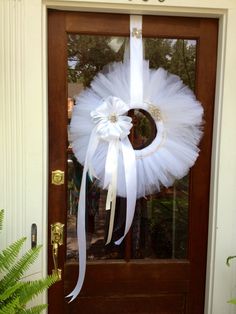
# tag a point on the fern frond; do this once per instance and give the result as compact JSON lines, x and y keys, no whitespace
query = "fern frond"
{"x":229,"y":258}
{"x":32,"y":288}
{"x":34,"y":310}
{"x":9,"y":255}
{"x":16,"y":272}
{"x":8,"y":293}
{"x":14,"y":294}
{"x":11,"y":307}
{"x":1,"y":218}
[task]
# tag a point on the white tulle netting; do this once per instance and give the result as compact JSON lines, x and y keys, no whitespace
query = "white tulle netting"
{"x":177,"y":115}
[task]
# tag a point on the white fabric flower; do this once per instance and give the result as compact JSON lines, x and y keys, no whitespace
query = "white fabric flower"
{"x":111,"y":122}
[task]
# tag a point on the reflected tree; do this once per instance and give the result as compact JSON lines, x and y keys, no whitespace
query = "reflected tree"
{"x":87,"y":55}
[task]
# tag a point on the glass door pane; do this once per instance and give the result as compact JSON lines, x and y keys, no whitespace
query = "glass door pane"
{"x":160,"y":226}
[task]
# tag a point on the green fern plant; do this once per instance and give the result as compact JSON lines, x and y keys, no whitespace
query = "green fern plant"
{"x":14,"y":292}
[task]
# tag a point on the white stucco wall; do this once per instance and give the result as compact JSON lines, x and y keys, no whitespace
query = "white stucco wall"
{"x":23,"y":126}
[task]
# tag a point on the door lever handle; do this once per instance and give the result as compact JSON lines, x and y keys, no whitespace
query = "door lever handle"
{"x":57,"y":232}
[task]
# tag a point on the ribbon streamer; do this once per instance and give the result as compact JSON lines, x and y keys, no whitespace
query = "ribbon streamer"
{"x":81,"y":235}
{"x":112,"y":164}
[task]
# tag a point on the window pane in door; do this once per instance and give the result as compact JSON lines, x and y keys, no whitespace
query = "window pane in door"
{"x":160,"y":227}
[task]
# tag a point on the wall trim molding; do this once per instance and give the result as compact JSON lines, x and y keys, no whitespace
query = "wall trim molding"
{"x":24,"y":139}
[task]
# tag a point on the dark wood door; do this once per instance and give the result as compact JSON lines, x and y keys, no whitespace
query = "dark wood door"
{"x":170,"y":279}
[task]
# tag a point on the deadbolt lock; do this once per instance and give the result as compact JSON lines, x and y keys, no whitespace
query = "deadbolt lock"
{"x":58,"y":177}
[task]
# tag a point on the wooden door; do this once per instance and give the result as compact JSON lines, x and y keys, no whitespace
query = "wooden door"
{"x":163,"y":269}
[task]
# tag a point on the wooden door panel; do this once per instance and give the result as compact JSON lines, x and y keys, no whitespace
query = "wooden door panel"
{"x":151,"y":304}
{"x":156,"y":286}
{"x":101,"y":279}
{"x":102,"y":24}
{"x":141,"y":288}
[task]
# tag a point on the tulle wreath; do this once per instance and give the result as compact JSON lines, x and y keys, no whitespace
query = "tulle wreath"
{"x":177,"y":116}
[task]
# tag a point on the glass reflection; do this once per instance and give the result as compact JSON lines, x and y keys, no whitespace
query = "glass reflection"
{"x":160,"y":224}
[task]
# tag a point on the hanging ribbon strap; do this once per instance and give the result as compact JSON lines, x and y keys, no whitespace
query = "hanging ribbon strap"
{"x":81,"y":235}
{"x":136,"y":61}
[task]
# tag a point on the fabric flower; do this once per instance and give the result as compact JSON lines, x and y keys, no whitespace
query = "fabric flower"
{"x":111,"y":122}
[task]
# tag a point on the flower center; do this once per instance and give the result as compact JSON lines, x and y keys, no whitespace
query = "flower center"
{"x":113,"y":118}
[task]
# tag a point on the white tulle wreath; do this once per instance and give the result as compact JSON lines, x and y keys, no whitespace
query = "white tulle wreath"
{"x":172,"y":105}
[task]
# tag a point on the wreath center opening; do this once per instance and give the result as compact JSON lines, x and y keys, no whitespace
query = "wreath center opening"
{"x":144,"y":128}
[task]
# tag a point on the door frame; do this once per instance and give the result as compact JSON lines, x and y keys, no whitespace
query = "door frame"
{"x":201,"y":71}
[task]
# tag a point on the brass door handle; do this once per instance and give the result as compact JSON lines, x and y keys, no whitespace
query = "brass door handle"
{"x":57,"y":231}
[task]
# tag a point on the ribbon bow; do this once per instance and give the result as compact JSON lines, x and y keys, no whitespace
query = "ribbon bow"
{"x":112,"y":126}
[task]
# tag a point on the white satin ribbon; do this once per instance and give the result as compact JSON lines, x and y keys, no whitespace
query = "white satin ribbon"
{"x":81,"y":235}
{"x":112,"y":125}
